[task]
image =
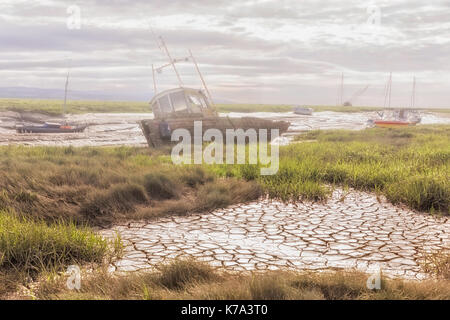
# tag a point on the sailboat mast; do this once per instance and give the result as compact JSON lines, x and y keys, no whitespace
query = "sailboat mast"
{"x":342,"y":90}
{"x":390,"y":90}
{"x":171,"y":61}
{"x":154,"y":80}
{"x":65,"y":92}
{"x":413,"y":95}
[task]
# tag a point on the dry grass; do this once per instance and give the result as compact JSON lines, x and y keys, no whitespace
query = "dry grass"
{"x":192,"y":280}
{"x":100,"y":186}
{"x":437,"y":263}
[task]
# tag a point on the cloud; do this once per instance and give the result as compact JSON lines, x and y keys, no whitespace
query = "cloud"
{"x":294,"y":50}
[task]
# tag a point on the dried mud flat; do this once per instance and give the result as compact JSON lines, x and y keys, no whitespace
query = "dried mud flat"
{"x":358,"y":232}
{"x":352,"y":230}
{"x":110,"y":129}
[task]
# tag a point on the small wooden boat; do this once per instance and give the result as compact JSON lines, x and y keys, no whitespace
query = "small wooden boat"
{"x":179,"y":108}
{"x":50,"y":128}
{"x":303,"y":111}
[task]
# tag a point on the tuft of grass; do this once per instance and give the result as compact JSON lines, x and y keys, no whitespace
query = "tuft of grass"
{"x":182,"y":272}
{"x":33,"y":246}
{"x":437,"y":263}
{"x":161,"y":186}
{"x":120,"y":198}
{"x":194,"y":176}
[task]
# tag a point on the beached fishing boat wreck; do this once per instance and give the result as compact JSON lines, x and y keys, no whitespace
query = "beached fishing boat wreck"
{"x":181,"y":107}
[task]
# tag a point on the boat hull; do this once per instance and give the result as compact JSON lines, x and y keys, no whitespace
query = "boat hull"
{"x":36,"y":129}
{"x":152,"y":132}
{"x":392,"y":124}
{"x":303,"y":111}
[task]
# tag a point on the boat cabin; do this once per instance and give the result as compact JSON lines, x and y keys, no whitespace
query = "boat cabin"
{"x":181,"y":103}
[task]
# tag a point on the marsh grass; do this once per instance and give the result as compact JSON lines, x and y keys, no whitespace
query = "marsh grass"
{"x":54,"y":107}
{"x":29,"y":246}
{"x":409,"y":166}
{"x":187,"y":279}
{"x":100,"y":186}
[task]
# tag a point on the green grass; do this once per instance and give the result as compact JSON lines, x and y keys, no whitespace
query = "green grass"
{"x":187,"y":279}
{"x":409,"y":166}
{"x":54,"y":107}
{"x":33,"y":246}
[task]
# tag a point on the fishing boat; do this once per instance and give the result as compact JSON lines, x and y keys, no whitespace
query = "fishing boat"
{"x":50,"y":128}
{"x":182,"y":107}
{"x":305,"y":111}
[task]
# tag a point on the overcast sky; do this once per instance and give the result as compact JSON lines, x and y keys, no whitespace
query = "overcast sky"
{"x":249,"y":51}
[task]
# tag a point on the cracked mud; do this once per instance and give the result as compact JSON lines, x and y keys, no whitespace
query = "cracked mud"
{"x":352,"y":230}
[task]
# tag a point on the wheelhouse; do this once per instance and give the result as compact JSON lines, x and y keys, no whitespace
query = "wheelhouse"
{"x":180,"y":102}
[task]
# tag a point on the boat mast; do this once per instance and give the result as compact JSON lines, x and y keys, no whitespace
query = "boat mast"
{"x":65,"y":91}
{"x":341,"y":99}
{"x":387,"y":92}
{"x":390,"y":88}
{"x":413,"y":95}
{"x":154,"y":80}
{"x":172,"y":62}
{"x":201,"y":77}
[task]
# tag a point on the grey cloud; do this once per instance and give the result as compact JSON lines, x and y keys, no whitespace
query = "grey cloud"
{"x":228,"y":50}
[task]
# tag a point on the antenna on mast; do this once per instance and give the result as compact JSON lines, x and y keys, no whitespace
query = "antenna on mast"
{"x":65,"y":89}
{"x":172,"y":61}
{"x":201,"y":77}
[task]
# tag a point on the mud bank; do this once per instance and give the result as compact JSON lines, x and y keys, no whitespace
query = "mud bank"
{"x":110,"y":129}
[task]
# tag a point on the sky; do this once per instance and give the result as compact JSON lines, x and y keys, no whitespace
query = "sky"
{"x":257,"y":51}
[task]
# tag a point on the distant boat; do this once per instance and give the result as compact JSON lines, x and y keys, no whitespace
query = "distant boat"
{"x":400,"y":117}
{"x":396,"y":118}
{"x":50,"y":128}
{"x":53,"y":127}
{"x":303,"y":111}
